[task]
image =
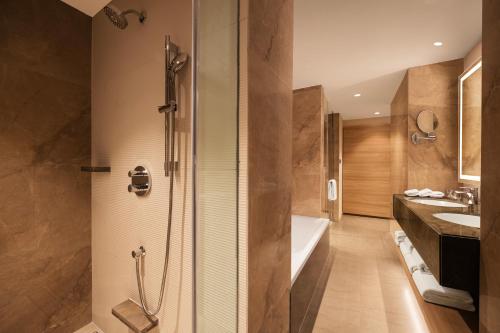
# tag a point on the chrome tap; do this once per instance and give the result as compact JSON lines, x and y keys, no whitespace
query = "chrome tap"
{"x":470,"y":194}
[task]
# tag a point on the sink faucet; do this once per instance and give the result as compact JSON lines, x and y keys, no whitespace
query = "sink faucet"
{"x":470,"y":194}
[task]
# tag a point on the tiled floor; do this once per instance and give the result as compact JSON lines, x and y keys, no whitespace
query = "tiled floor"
{"x":368,"y":290}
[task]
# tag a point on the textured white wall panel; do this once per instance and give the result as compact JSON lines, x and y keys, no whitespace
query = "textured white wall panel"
{"x":127,"y":130}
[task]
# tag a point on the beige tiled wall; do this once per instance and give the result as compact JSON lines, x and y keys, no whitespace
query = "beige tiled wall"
{"x":434,"y":87}
{"x":307,"y":151}
{"x":399,"y":138}
{"x":429,"y":164}
{"x":490,"y":180}
{"x":127,"y":130}
{"x":269,"y":172}
{"x":45,"y":275}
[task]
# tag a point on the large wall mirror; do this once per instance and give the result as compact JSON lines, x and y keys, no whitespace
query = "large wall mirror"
{"x":469,"y":159}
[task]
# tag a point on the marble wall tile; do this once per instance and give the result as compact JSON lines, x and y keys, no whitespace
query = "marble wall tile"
{"x":490,"y":175}
{"x":44,"y":139}
{"x":269,"y":141}
{"x":399,"y":139}
{"x":429,"y":164}
{"x":434,"y":87}
{"x":41,"y":37}
{"x":307,"y":151}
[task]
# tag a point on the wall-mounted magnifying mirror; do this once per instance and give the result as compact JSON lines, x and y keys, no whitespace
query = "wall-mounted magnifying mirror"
{"x":469,"y":157}
{"x":427,"y":123}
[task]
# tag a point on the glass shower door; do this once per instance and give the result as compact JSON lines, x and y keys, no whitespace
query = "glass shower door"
{"x":216,"y":168}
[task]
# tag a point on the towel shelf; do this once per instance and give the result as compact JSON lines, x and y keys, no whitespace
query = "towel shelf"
{"x":95,"y":169}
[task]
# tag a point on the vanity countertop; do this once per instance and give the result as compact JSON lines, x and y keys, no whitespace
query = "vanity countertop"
{"x":425,"y":213}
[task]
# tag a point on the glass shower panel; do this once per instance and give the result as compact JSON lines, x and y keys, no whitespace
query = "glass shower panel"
{"x":216,"y":172}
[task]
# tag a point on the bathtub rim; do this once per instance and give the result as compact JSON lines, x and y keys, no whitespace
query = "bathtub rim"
{"x":311,"y":244}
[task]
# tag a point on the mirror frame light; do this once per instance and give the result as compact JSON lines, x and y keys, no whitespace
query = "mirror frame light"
{"x":462,"y":78}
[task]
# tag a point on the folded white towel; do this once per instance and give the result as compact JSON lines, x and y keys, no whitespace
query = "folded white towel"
{"x":432,"y":292}
{"x":332,"y":190}
{"x":405,"y":246}
{"x":437,"y":194}
{"x":425,"y":192}
{"x":412,"y":192}
{"x":399,"y":236}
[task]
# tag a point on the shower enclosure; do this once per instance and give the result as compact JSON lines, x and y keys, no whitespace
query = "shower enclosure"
{"x":94,"y":171}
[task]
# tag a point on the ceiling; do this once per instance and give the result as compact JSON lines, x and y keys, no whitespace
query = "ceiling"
{"x":89,"y":7}
{"x":365,"y":46}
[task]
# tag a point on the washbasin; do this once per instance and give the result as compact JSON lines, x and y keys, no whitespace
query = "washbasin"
{"x":440,"y":203}
{"x":462,"y":219}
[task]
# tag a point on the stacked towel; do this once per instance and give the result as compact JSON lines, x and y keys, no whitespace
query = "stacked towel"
{"x":432,"y":292}
{"x":437,"y":194}
{"x":399,"y":236}
{"x":412,"y":192}
{"x":424,"y":193}
{"x":405,"y":246}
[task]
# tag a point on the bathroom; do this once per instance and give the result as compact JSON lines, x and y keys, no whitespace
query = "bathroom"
{"x":249,"y":166}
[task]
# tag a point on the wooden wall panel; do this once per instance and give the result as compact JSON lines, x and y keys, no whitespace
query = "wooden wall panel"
{"x":490,"y":166}
{"x":366,"y":167}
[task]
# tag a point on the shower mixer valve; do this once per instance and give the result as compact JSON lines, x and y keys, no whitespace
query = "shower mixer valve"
{"x":141,"y":181}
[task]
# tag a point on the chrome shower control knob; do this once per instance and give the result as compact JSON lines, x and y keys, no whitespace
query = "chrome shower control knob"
{"x":140,"y":181}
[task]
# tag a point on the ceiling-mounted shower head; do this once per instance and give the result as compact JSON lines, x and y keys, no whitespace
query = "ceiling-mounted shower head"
{"x":117,"y":17}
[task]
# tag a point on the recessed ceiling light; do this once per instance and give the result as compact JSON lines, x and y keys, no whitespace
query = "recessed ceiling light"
{"x":357,"y":95}
{"x":438,"y":44}
{"x":376,"y":113}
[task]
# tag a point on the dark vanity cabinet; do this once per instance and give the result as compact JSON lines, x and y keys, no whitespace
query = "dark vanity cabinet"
{"x":450,"y":251}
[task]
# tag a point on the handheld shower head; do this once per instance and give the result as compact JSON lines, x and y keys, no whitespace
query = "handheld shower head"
{"x":118,"y":18}
{"x":178,"y":62}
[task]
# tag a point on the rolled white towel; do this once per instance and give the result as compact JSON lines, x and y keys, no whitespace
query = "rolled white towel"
{"x":399,"y":236}
{"x":432,"y":292}
{"x":437,"y":194}
{"x":411,"y":193}
{"x":405,"y":246}
{"x":411,"y":262}
{"x":420,"y":262}
{"x":425,"y":192}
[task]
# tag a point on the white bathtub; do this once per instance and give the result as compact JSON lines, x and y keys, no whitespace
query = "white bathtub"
{"x":306,"y":232}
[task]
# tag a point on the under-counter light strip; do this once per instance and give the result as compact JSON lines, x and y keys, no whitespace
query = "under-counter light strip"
{"x":462,"y":79}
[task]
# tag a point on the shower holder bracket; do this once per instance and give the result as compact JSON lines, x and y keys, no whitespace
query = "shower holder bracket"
{"x":168,"y":166}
